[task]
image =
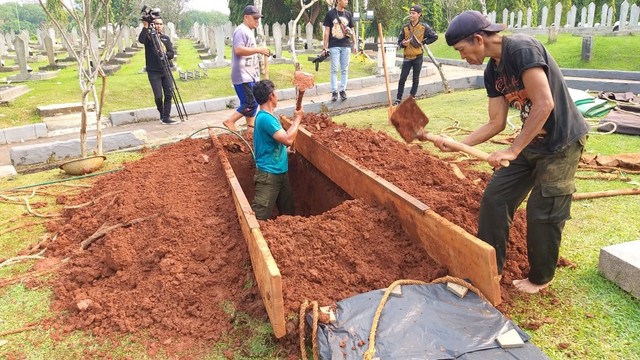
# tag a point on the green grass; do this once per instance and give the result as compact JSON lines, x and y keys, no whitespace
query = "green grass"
{"x":610,"y":52}
{"x":129,"y":88}
{"x":593,"y":317}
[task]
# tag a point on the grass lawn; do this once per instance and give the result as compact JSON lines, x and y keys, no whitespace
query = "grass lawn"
{"x":590,"y":317}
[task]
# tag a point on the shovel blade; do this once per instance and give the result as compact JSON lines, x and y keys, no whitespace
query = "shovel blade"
{"x":408,"y":119}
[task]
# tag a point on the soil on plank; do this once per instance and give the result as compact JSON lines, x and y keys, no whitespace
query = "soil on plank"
{"x":176,"y":274}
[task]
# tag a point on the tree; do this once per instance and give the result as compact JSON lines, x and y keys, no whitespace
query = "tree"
{"x":211,"y":18}
{"x":15,"y":17}
{"x":170,"y":10}
{"x":85,"y":14}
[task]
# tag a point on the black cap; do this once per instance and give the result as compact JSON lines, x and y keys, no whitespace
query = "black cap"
{"x":416,"y":8}
{"x":469,"y":23}
{"x":252,"y":10}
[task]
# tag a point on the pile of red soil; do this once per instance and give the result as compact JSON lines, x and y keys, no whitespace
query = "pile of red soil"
{"x":175,"y":272}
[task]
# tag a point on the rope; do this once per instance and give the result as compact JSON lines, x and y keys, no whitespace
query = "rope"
{"x":230,"y":131}
{"x":314,"y":329}
{"x":368,"y":355}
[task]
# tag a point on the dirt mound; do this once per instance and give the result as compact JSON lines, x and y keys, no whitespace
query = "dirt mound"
{"x":177,"y":266}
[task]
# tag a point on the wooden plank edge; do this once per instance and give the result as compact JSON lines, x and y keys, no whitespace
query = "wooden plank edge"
{"x":417,"y":219}
{"x":264,"y":266}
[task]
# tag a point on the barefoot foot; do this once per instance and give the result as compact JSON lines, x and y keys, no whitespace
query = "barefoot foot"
{"x":231,"y":125}
{"x":527,"y":286}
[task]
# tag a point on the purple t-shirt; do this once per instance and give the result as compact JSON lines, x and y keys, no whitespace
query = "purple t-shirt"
{"x":244,"y":69}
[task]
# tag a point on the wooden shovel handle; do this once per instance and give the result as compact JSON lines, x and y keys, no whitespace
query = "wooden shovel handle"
{"x":450,"y":143}
{"x":384,"y":65}
{"x":299,"y":100}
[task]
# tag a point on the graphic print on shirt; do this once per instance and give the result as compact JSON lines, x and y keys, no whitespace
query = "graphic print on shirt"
{"x":515,"y":94}
{"x":339,"y":27}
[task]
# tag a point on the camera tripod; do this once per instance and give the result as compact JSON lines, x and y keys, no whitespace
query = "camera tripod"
{"x":166,"y":69}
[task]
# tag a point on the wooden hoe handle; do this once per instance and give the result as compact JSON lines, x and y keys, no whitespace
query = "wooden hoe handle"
{"x":450,"y":143}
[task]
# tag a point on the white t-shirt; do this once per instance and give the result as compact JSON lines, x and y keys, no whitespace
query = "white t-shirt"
{"x":244,"y":69}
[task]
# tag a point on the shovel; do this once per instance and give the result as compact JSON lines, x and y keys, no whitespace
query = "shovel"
{"x":302,"y":81}
{"x":410,"y":121}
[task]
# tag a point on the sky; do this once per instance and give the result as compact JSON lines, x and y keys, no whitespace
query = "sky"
{"x":204,"y":5}
{"x":207,"y":5}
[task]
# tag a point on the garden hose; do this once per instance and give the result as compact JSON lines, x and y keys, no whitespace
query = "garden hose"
{"x":231,"y":131}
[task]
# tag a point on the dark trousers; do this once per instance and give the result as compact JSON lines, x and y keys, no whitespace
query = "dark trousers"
{"x":161,"y":83}
{"x":407,"y":65}
{"x":550,"y":181}
{"x":272,"y":190}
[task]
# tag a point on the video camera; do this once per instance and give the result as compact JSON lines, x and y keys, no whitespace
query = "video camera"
{"x":148,"y":14}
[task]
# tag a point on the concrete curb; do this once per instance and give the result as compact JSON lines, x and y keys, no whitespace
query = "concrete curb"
{"x":60,"y":150}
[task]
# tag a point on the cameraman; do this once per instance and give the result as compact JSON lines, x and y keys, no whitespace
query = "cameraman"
{"x":156,"y":68}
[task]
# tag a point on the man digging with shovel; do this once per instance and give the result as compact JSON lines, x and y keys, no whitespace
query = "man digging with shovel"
{"x":543,"y":157}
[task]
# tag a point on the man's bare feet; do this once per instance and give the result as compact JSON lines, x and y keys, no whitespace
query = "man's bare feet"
{"x":527,"y":286}
{"x":231,"y":125}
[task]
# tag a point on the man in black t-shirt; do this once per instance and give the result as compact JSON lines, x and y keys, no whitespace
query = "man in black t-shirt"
{"x":544,"y":155}
{"x":339,"y":41}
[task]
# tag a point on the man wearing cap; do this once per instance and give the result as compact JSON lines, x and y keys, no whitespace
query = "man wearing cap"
{"x":411,"y":38}
{"x":544,"y":155}
{"x":340,"y":40}
{"x":245,"y":69}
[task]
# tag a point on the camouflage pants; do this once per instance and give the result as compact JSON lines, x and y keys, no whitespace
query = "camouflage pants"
{"x":549,"y":181}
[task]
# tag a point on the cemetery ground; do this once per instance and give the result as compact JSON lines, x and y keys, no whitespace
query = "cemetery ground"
{"x":582,"y":315}
{"x":610,"y":53}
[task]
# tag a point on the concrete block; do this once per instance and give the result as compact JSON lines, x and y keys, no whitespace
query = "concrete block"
{"x":60,"y":109}
{"x":20,"y":133}
{"x":621,"y":264}
{"x":354,"y":84}
{"x":397,"y":291}
{"x":41,"y":130}
{"x":215,"y":104}
{"x":3,"y":139}
{"x":122,"y":117}
{"x":459,"y":290}
{"x":372,"y":81}
{"x":287,"y":94}
{"x":7,"y":170}
{"x":69,"y":149}
{"x":148,"y":114}
{"x":195,"y":107}
{"x":509,"y":340}
{"x":324,"y":88}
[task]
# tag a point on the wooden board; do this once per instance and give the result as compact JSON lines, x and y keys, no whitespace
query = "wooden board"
{"x":264,"y":265}
{"x":463,"y":254}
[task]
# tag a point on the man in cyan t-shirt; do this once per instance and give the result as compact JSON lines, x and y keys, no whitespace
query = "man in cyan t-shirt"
{"x":245,"y":69}
{"x":270,"y":143}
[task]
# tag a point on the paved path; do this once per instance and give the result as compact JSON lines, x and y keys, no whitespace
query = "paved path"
{"x":358,"y":98}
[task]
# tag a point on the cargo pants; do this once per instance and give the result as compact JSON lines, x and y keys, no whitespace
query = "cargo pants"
{"x":272,"y":190}
{"x":549,"y":179}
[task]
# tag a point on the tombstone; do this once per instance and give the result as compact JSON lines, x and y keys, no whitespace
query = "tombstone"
{"x":216,"y":38}
{"x":505,"y":16}
{"x":553,"y":35}
{"x":635,"y":13}
{"x":529,"y":14}
{"x":512,"y":16}
{"x":493,"y":16}
{"x":571,"y":19}
{"x":624,"y":11}
{"x":51,"y":55}
{"x":94,"y":43}
{"x":195,"y":31}
{"x":557,"y":16}
{"x":3,"y":48}
{"x":66,"y":41}
{"x":519,"y":22}
{"x":20,"y":44}
{"x":40,"y":37}
{"x":52,"y":34}
{"x":133,"y":34}
{"x":126,"y":38}
{"x":545,"y":15}
{"x":591,"y":14}
{"x":390,"y":59}
{"x":587,"y":48}
{"x":211,"y":39}
{"x":266,"y":34}
{"x":219,"y":33}
{"x":172,"y":27}
{"x":610,"y":17}
{"x":603,"y":15}
{"x":277,"y":39}
{"x":290,"y":30}
{"x":308,"y":29}
{"x":74,"y":37}
{"x":583,"y":17}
